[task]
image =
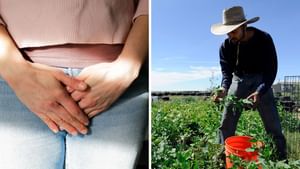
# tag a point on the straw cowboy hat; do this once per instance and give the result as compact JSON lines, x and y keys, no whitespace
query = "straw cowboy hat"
{"x":232,"y":18}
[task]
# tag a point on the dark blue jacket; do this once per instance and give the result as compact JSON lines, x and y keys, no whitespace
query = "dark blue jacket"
{"x":256,"y":56}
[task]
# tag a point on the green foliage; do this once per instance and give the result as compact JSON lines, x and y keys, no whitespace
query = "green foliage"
{"x":238,"y":162}
{"x":288,"y":119}
{"x":184,"y":136}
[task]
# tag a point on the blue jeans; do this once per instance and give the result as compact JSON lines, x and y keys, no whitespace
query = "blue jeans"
{"x":242,"y":87}
{"x":114,"y":140}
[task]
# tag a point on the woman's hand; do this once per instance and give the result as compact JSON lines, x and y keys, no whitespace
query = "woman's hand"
{"x":42,"y":90}
{"x":106,"y":81}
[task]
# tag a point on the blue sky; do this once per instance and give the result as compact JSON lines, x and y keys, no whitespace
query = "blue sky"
{"x":184,"y":53}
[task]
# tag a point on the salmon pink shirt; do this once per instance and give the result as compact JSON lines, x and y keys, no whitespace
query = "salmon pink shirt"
{"x":70,"y":33}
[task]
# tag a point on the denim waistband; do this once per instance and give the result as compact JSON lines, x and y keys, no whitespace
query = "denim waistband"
{"x":67,"y":70}
{"x":71,"y":71}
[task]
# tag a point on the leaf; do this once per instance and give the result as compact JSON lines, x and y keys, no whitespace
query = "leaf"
{"x":253,"y":140}
{"x":250,"y":149}
{"x":196,"y":123}
{"x":295,"y":163}
{"x":196,"y":165}
{"x":247,"y":101}
{"x":281,"y":164}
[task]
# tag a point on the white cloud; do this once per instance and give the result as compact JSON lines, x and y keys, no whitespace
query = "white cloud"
{"x":163,"y":78}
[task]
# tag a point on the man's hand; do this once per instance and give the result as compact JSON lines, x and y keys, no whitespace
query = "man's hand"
{"x":219,"y":95}
{"x":42,"y":90}
{"x":255,"y":98}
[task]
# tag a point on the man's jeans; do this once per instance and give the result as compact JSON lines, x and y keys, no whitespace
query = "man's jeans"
{"x":242,"y":87}
{"x":114,"y":140}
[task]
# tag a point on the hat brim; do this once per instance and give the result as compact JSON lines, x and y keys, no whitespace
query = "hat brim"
{"x":221,"y":29}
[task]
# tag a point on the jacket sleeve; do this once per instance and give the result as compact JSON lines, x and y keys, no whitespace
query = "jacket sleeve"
{"x":142,"y":9}
{"x":271,"y":66}
{"x":226,"y":67}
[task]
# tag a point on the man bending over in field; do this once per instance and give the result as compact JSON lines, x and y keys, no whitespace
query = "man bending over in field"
{"x":249,"y":65}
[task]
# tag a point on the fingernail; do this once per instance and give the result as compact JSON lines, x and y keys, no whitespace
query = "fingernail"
{"x":86,"y":121}
{"x":55,"y":130}
{"x":84,"y":131}
{"x":74,"y":133}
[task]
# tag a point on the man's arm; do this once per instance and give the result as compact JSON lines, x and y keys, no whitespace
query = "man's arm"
{"x":270,"y":65}
{"x":226,"y":68}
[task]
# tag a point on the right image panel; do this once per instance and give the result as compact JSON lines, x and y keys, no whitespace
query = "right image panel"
{"x":225,"y":84}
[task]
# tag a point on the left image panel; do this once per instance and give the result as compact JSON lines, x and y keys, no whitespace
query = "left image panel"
{"x":74,"y":84}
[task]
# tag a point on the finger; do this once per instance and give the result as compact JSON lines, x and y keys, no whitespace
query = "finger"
{"x":70,"y":108}
{"x":70,"y":81}
{"x":67,"y":118}
{"x":255,"y":104}
{"x":52,"y":126}
{"x":215,"y":98}
{"x":87,"y":103}
{"x":62,"y":124}
{"x":95,"y":112}
{"x":77,"y":95}
{"x":256,"y":101}
{"x":90,"y":109}
{"x":69,"y":89}
{"x":61,"y":117}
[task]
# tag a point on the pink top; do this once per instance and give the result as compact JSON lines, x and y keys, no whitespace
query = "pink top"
{"x":54,"y":23}
{"x":74,"y":55}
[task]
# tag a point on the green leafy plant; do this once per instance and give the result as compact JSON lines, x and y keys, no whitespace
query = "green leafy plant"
{"x":184,"y":136}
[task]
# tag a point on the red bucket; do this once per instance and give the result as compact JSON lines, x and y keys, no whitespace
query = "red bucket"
{"x":237,"y":146}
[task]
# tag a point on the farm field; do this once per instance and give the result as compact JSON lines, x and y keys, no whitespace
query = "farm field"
{"x":184,"y":135}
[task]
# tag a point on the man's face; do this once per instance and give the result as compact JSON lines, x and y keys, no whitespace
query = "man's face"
{"x":236,"y":35}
